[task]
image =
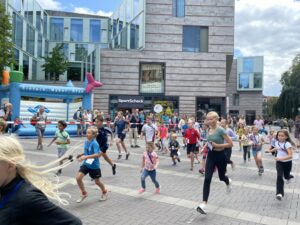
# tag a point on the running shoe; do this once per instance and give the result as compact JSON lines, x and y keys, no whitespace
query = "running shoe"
{"x":132,"y":146}
{"x":279,"y":197}
{"x":127,"y":155}
{"x":82,"y":197}
{"x":201,"y":208}
{"x":119,"y":156}
{"x":114,"y":167}
{"x":178,"y":159}
{"x":58,"y":173}
{"x":262,"y":169}
{"x":142,"y":190}
{"x":137,"y":146}
{"x":229,"y":186}
{"x":104,"y":196}
{"x":70,"y":158}
{"x":157,"y":191}
{"x":174,"y":163}
{"x":191,"y":169}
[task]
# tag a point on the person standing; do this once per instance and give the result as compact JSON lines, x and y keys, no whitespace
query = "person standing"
{"x":133,"y":119}
{"x":40,"y":126}
{"x":78,"y":117}
{"x":297,"y":131}
{"x":216,"y":157}
{"x":141,"y":122}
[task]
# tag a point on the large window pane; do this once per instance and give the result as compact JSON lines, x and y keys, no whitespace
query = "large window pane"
{"x":244,"y":81}
{"x":29,"y":10}
{"x":45,"y":28}
{"x":257,"y":80}
{"x":248,"y":65}
{"x":179,"y":7}
{"x":18,"y":30}
{"x":30,"y":39}
{"x":38,"y":18}
{"x":74,"y":72}
{"x":81,"y":52}
{"x":34,"y":69}
{"x":40,"y":46}
{"x":76,"y":29}
{"x":95,"y":30}
{"x":25,"y":66}
{"x":195,"y":39}
{"x":16,"y":59}
{"x":152,"y":78}
{"x":57,"y":29}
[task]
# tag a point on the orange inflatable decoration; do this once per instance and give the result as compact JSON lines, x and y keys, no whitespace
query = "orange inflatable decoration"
{"x":5,"y":77}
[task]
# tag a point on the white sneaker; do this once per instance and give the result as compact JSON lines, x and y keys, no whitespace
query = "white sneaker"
{"x":279,"y":197}
{"x":229,"y":186}
{"x":82,"y":197}
{"x":104,"y":196}
{"x":201,"y":208}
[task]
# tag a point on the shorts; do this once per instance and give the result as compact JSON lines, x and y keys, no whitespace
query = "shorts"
{"x":94,"y":173}
{"x":103,"y":150}
{"x":61,"y":152}
{"x":255,"y":151}
{"x":191,"y":148}
{"x":121,"y":136}
{"x":174,"y":153}
{"x":40,"y":131}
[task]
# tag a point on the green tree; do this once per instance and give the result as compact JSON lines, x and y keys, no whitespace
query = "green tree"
{"x":55,"y":64}
{"x":289,"y":99}
{"x":6,"y":45}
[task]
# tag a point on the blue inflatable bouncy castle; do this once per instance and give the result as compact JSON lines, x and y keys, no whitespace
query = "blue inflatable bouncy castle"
{"x":63,"y":110}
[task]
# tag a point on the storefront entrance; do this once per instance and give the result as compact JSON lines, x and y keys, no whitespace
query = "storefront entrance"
{"x":207,"y":104}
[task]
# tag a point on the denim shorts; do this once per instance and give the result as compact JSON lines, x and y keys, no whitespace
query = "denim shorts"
{"x":255,"y":151}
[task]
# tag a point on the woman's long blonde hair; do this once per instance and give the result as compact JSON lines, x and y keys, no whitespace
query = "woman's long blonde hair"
{"x":11,"y":151}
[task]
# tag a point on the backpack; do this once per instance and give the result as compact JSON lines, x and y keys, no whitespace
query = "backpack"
{"x":75,"y":116}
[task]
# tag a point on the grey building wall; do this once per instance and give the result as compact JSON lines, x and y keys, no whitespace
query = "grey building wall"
{"x":248,"y":100}
{"x":188,"y":75}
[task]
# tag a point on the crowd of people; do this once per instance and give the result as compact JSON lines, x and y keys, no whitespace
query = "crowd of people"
{"x":208,"y":143}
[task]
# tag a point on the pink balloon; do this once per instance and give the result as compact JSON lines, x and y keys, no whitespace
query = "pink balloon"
{"x":92,"y":83}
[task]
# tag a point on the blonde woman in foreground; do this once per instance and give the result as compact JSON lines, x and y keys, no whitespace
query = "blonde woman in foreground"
{"x":24,"y":191}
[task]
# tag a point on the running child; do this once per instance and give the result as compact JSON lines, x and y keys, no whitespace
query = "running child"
{"x":90,"y":165}
{"x":204,"y":151}
{"x":174,"y":148}
{"x":246,"y":144}
{"x":62,"y":140}
{"x":163,"y":134}
{"x":257,"y":143}
{"x":240,"y":133}
{"x":149,"y":165}
{"x":283,"y":157}
{"x":191,"y":137}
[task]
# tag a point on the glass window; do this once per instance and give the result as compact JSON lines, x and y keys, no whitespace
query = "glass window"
{"x":236,"y":100}
{"x":248,"y":65}
{"x":25,"y":66}
{"x":29,"y":10}
{"x":16,"y":59}
{"x":135,"y":33}
{"x":128,"y":11}
{"x":257,"y":80}
{"x":17,"y":30}
{"x":40,"y":46}
{"x":74,"y":72}
{"x":66,"y":51}
{"x":76,"y":29}
{"x":45,"y":31}
{"x":195,"y":39}
{"x":46,"y":48}
{"x":30,"y":40}
{"x":38,"y":18}
{"x":179,"y":8}
{"x":152,"y":78}
{"x":244,"y":81}
{"x":95,"y":30}
{"x":136,"y":7}
{"x":81,"y":52}
{"x":34,"y":69}
{"x":56,"y":29}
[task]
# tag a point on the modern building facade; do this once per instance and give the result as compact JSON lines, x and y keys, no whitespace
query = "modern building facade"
{"x":176,"y":53}
{"x":245,"y":87}
{"x":37,"y":31}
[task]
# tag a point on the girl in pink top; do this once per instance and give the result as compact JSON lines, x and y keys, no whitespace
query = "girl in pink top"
{"x":149,"y":166}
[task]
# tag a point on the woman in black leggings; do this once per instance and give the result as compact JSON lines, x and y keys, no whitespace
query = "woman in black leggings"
{"x":216,"y":157}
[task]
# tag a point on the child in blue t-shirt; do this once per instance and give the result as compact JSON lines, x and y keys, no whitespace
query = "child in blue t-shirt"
{"x":91,"y":164}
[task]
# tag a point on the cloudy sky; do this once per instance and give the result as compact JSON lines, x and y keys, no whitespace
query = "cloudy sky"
{"x":263,"y":27}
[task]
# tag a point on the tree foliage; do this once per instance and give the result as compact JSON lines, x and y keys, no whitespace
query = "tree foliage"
{"x":55,"y":64}
{"x":6,"y":44}
{"x":289,"y":99}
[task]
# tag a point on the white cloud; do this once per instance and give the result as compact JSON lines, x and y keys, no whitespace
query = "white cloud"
{"x":85,"y":10}
{"x":269,"y":28}
{"x":50,"y":4}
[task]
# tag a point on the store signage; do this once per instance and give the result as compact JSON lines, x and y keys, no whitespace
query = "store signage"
{"x":130,"y":102}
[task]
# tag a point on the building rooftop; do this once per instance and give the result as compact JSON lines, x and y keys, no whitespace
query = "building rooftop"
{"x":72,"y":14}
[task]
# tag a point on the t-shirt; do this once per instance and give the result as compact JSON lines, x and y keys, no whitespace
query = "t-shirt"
{"x":217,"y":136}
{"x":149,"y":131}
{"x":192,"y":135}
{"x":133,"y":119}
{"x":121,"y":125}
{"x":102,"y":137}
{"x":142,"y":118}
{"x":91,"y":148}
{"x":41,"y":118}
{"x":163,"y":131}
{"x":150,"y":160}
{"x":174,"y":145}
{"x":256,"y":139}
{"x":259,"y":123}
{"x":165,"y":119}
{"x":282,"y":150}
{"x":62,"y":137}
